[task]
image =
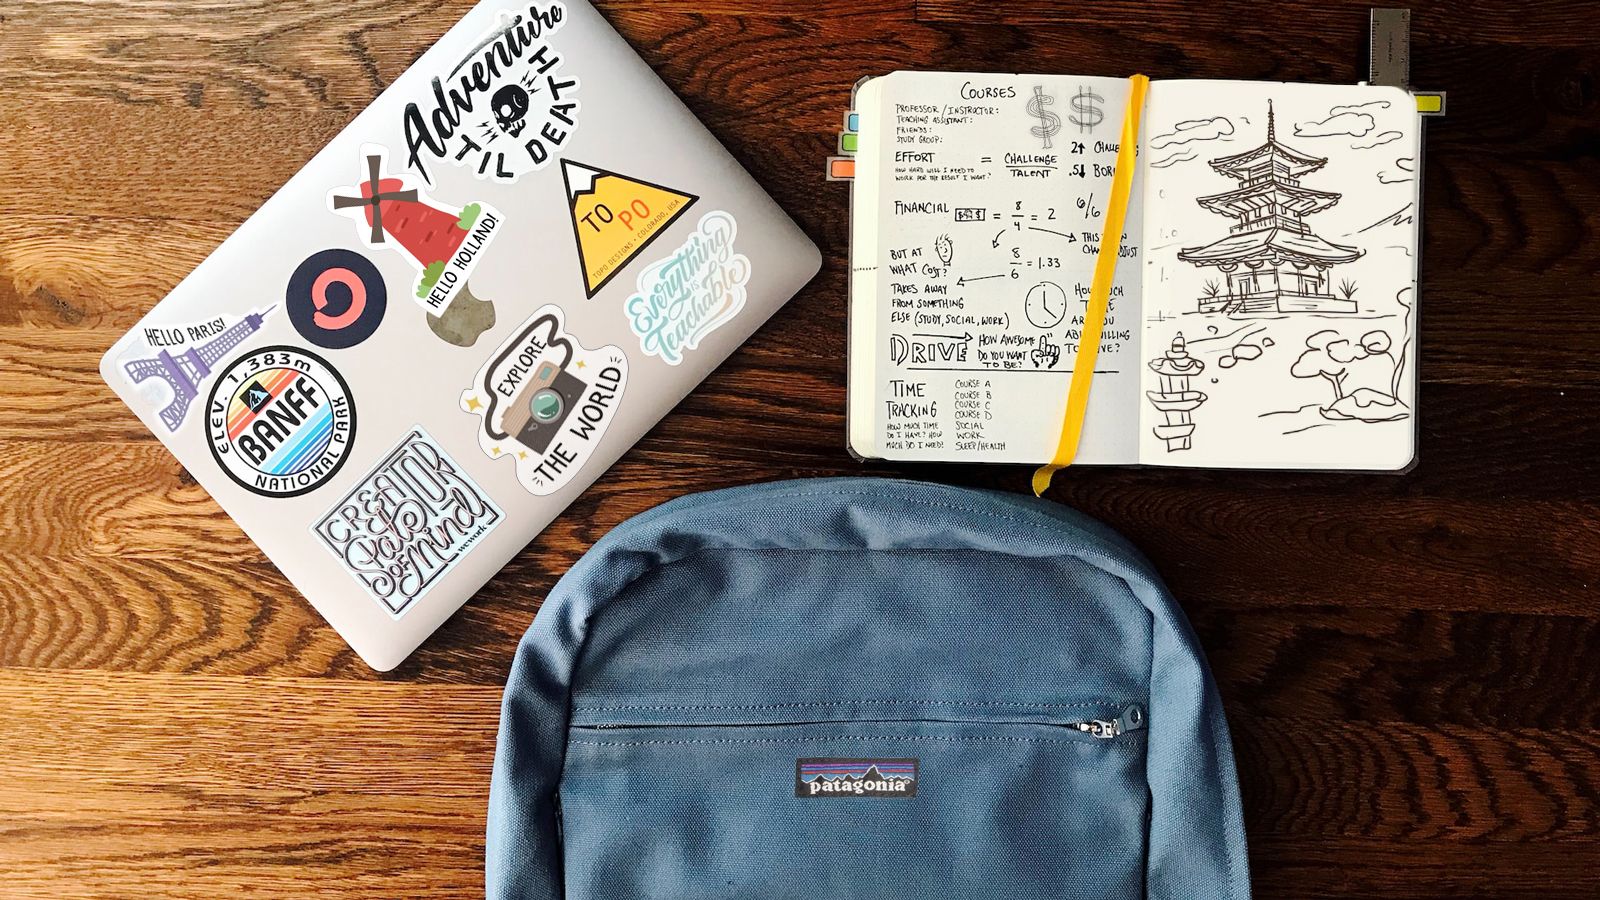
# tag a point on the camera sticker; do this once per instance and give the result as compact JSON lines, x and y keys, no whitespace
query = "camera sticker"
{"x":443,"y":243}
{"x":693,"y":292}
{"x":505,"y":109}
{"x":546,"y":402}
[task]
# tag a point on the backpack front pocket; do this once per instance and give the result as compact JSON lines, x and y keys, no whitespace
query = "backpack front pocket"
{"x":1021,"y":804}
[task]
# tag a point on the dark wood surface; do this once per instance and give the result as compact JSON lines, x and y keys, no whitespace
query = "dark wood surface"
{"x":1411,"y":664}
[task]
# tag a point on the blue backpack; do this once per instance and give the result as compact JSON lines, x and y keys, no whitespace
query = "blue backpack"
{"x":862,"y":688}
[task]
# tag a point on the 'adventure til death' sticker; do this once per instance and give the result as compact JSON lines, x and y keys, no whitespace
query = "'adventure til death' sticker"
{"x":693,"y":292}
{"x":545,"y":401}
{"x":505,"y":109}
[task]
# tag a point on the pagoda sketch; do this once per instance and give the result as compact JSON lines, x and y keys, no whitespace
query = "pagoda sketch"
{"x":1272,"y":260}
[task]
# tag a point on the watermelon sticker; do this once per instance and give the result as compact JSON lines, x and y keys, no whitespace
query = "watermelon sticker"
{"x":443,"y":243}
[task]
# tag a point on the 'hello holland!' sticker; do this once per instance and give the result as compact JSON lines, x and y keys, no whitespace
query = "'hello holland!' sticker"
{"x":693,"y":292}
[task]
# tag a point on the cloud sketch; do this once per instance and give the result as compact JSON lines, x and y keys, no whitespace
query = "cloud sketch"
{"x":1193,"y":130}
{"x":1405,"y":169}
{"x":1182,"y":155}
{"x":1359,"y":107}
{"x":1354,"y":120}
{"x":1377,"y":140}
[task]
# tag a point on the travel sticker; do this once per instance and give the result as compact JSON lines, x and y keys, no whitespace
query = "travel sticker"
{"x":185,"y":356}
{"x":545,"y":401}
{"x":280,"y":421}
{"x":408,"y":523}
{"x":615,"y":218}
{"x":691,"y":293}
{"x":336,"y":299}
{"x":505,"y":109}
{"x":444,"y":244}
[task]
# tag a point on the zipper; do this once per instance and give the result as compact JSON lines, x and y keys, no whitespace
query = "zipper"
{"x":1131,"y":720}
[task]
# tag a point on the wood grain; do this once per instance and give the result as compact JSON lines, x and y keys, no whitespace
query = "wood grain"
{"x":1411,"y":664}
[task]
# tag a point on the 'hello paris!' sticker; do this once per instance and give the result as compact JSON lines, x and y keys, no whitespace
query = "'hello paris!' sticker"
{"x":546,"y":402}
{"x":505,"y":109}
{"x":280,"y":421}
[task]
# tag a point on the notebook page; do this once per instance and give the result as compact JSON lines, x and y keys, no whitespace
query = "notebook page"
{"x":1280,"y":276}
{"x":861,"y":398}
{"x":990,"y":194}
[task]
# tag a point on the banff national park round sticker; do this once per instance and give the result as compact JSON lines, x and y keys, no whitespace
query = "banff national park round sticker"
{"x":280,"y":422}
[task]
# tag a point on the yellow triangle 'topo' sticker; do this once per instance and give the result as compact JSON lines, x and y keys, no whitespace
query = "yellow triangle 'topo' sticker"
{"x":615,"y":217}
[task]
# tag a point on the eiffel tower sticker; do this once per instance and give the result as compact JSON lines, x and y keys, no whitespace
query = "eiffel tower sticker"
{"x":186,"y":371}
{"x":615,"y":217}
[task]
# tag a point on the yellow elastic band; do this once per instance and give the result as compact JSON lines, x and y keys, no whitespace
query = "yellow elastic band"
{"x":1105,"y":270}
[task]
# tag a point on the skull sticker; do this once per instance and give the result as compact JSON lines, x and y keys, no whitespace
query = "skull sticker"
{"x":507,"y":108}
{"x":511,"y":109}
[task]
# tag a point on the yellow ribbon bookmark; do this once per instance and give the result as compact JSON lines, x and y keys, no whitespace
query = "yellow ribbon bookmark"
{"x":1105,"y":270}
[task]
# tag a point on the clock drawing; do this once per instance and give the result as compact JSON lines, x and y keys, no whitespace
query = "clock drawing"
{"x":1046,"y":305}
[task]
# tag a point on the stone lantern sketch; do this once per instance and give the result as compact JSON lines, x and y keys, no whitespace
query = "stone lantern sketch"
{"x":1177,"y":400}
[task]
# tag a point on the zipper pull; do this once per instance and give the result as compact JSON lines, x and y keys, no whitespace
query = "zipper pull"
{"x":1132,"y":719}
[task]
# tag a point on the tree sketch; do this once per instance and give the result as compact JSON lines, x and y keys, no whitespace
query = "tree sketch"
{"x":1362,"y":374}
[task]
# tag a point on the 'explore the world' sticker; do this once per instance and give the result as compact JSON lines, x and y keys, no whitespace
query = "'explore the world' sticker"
{"x":545,"y":401}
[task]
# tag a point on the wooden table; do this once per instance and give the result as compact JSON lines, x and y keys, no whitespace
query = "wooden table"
{"x":1412,"y":664}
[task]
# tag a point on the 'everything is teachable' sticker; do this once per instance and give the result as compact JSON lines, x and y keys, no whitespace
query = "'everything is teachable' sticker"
{"x":693,"y":292}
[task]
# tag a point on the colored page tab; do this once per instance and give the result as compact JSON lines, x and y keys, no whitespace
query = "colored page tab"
{"x":615,"y":217}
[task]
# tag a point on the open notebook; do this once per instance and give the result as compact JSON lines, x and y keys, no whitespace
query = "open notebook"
{"x":1263,"y":313}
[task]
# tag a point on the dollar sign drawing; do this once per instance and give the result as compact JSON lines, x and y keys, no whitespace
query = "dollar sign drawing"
{"x":1084,"y":105}
{"x":1049,"y":123}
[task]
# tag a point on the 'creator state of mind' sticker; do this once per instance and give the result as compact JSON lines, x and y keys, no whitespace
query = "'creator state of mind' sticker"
{"x":407,"y":524}
{"x":506,"y":108}
{"x":693,"y":292}
{"x":545,"y":401}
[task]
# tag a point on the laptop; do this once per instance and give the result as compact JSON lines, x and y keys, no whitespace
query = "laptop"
{"x":458,"y":315}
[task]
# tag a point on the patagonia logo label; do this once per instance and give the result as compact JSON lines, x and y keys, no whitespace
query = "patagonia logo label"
{"x":855,"y":778}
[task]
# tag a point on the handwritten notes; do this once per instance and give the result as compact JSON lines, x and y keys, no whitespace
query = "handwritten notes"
{"x":989,"y":211}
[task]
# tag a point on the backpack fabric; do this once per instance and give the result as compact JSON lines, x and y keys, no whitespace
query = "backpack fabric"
{"x":862,"y":688}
